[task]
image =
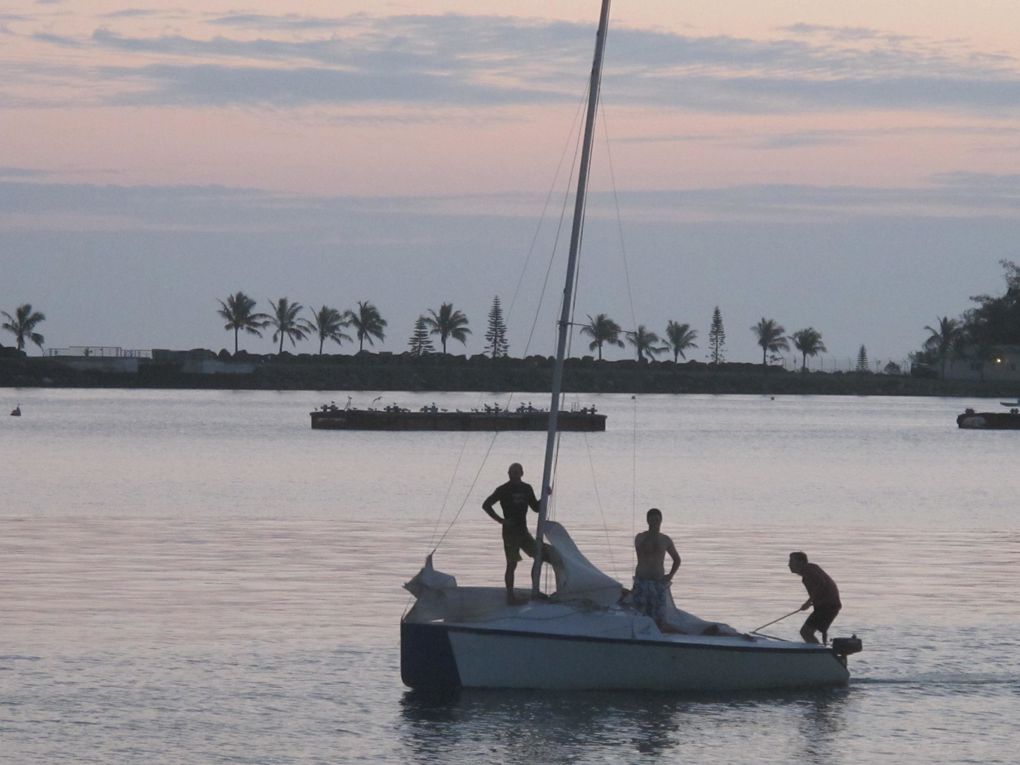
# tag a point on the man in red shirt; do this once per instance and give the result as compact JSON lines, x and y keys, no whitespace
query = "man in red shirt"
{"x":822,"y":594}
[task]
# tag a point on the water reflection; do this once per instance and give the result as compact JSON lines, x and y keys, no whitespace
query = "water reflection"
{"x":520,"y":726}
{"x":820,"y":725}
{"x":536,"y":725}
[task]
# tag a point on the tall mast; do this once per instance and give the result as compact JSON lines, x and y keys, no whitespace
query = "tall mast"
{"x":568,"y":289}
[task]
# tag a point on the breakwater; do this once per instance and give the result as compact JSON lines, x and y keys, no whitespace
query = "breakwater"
{"x":385,"y":371}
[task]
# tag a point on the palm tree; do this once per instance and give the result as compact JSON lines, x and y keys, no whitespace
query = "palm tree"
{"x":287,"y":322}
{"x":770,"y":338}
{"x":23,"y":325}
{"x":645,"y":342}
{"x":602,"y":330}
{"x":680,"y":337}
{"x":942,"y":341}
{"x":448,"y":323}
{"x":239,"y":311}
{"x":809,"y":343}
{"x":368,"y":323}
{"x":329,"y":323}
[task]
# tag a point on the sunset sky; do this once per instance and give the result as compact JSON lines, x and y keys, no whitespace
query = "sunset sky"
{"x":852,"y":167}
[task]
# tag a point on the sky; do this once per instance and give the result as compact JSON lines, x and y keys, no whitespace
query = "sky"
{"x":850,"y":167}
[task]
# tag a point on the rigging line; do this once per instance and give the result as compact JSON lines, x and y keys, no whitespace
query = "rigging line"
{"x":545,"y":206}
{"x":598,"y":504}
{"x":573,"y":307}
{"x":633,"y":469}
{"x":577,"y":278}
{"x":552,"y":254}
{"x":467,"y":494}
{"x":619,"y":217}
{"x":510,"y":397}
{"x":580,"y":244}
{"x":583,"y":176}
{"x":574,"y":292}
{"x":449,"y":490}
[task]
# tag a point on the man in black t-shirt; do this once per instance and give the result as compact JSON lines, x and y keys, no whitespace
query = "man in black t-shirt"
{"x":515,"y":497}
{"x":823,"y":594}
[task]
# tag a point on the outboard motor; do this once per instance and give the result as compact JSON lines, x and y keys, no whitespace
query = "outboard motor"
{"x":844,"y":646}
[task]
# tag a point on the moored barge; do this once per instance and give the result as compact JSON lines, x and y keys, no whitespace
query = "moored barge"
{"x":393,"y":417}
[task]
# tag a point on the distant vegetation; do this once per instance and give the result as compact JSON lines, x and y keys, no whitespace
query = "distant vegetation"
{"x":976,"y":334}
{"x":448,"y":323}
{"x":23,"y":323}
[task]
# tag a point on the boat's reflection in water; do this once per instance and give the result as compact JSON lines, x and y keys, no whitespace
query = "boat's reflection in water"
{"x":563,"y":726}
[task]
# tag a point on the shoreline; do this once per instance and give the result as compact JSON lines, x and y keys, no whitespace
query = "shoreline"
{"x":388,"y":372}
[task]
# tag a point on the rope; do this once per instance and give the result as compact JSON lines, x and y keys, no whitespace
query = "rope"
{"x":545,"y":206}
{"x":552,"y":254}
{"x":449,"y":490}
{"x":619,"y":217}
{"x":598,"y":504}
{"x":467,"y":495}
{"x":633,"y":469}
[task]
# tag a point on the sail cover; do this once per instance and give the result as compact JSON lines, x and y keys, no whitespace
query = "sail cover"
{"x":577,"y":578}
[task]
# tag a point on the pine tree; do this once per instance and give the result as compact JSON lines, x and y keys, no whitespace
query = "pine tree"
{"x":717,"y":338}
{"x":862,"y":360}
{"x":421,"y":339}
{"x":495,"y":335}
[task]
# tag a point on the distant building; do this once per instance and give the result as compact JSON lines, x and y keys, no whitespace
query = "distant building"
{"x":99,"y":358}
{"x":116,"y":360}
{"x":1001,"y":364}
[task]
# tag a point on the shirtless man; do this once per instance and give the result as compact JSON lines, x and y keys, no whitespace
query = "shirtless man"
{"x":650,"y":579}
{"x":515,"y":497}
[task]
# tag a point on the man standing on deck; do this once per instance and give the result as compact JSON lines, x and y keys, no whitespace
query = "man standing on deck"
{"x":650,"y":578}
{"x":822,"y":594}
{"x":515,"y":497}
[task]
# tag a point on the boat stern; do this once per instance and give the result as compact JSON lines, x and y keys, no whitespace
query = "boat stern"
{"x":426,"y":657}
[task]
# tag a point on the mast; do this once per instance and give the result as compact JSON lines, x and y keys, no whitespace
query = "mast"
{"x":568,"y":289}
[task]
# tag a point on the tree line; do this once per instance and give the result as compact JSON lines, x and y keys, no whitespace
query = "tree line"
{"x":975,"y":334}
{"x":330,"y":324}
{"x":449,"y":323}
{"x":365,"y":321}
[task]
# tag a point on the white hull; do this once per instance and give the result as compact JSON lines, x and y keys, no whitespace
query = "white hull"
{"x":557,"y":646}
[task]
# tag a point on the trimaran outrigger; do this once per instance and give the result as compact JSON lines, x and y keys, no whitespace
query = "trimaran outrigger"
{"x":582,"y":637}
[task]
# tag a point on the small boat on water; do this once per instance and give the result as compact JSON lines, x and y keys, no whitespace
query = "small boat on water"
{"x":972,"y":420}
{"x":393,"y":417}
{"x":585,"y":635}
{"x":584,"y":638}
{"x":16,"y":411}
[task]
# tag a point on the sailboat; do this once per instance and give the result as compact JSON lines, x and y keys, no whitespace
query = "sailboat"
{"x":585,"y":636}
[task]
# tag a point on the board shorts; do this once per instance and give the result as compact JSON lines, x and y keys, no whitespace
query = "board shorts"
{"x":516,"y":539}
{"x":649,"y":597}
{"x":821,"y":618}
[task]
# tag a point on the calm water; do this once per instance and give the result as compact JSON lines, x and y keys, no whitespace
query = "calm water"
{"x":198,"y":577}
